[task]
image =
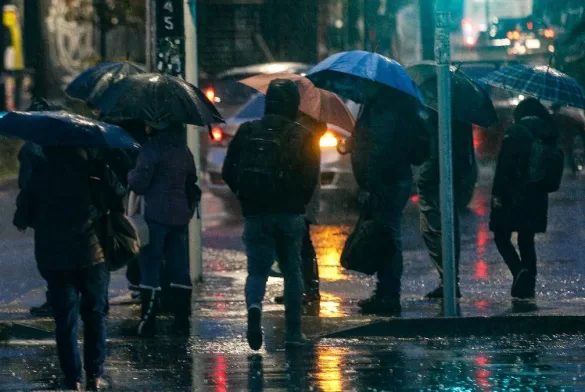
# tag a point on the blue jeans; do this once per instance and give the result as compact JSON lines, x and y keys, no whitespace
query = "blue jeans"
{"x":65,"y":289}
{"x":171,"y":244}
{"x":265,"y":236}
{"x":387,"y":206}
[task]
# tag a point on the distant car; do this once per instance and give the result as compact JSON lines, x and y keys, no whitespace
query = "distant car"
{"x":224,"y":90}
{"x":336,"y":175}
{"x":525,"y":36}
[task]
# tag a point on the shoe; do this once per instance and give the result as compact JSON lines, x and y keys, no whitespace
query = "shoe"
{"x":97,"y":384}
{"x":524,"y":285}
{"x":76,"y":386}
{"x":181,"y":310}
{"x":147,"y":325}
{"x":296,"y":341}
{"x":45,"y":310}
{"x":438,"y":293}
{"x":254,"y":334}
{"x":308,"y":298}
{"x":381,"y":305}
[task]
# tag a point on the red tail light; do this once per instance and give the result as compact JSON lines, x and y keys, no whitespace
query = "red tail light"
{"x":210,"y":94}
{"x":548,"y":33}
{"x":217,"y":135}
{"x":529,"y":25}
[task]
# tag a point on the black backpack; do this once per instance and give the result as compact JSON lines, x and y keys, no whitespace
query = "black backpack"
{"x":264,"y":166}
{"x":545,"y":167}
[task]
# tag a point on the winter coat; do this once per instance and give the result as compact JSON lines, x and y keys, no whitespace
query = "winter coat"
{"x":281,"y":111}
{"x":524,"y":207}
{"x":464,"y":164}
{"x":60,"y":203}
{"x":382,"y":146}
{"x":164,"y":168}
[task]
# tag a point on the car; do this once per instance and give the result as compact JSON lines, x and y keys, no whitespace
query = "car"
{"x":337,"y":180}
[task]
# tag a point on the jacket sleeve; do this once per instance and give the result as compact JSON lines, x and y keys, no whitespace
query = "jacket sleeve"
{"x":229,"y":170}
{"x":140,"y":178}
{"x":25,"y":206}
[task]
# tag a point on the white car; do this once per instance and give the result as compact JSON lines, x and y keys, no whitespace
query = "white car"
{"x":336,"y":175}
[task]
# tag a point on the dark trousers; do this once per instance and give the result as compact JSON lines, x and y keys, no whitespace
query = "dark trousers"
{"x":527,"y":258}
{"x":72,"y":292}
{"x":309,"y":266}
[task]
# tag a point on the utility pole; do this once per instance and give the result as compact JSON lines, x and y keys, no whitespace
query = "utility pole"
{"x":193,"y":136}
{"x":443,"y":58}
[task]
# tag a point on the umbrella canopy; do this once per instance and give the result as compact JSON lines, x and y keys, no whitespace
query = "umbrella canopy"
{"x":319,"y":104}
{"x":542,"y":82}
{"x":64,"y":129}
{"x":159,"y":99}
{"x":471,"y":103}
{"x":89,"y":85}
{"x":350,"y":74}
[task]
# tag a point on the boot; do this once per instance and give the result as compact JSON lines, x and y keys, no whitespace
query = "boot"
{"x":381,"y":305}
{"x":181,"y":309}
{"x":147,"y":325}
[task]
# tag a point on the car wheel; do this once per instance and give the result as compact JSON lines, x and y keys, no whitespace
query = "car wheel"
{"x":577,"y":153}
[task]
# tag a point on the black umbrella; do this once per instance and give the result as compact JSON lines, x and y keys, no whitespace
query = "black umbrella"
{"x":159,"y":99}
{"x":470,"y":102}
{"x":64,"y":129}
{"x":89,"y":85}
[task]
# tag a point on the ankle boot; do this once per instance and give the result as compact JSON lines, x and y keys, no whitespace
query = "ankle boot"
{"x":181,"y":308}
{"x":149,"y":299}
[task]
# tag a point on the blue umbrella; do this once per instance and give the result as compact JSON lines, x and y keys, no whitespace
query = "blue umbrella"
{"x":349,"y":74}
{"x":542,"y":82}
{"x":64,"y":129}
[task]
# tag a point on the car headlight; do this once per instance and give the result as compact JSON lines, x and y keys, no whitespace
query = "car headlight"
{"x":328,"y":140}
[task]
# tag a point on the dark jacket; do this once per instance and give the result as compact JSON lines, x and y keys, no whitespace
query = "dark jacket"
{"x":30,"y":157}
{"x":464,"y":163}
{"x":524,"y":207}
{"x":382,"y":144}
{"x":59,"y":202}
{"x":281,"y":110}
{"x":165,"y":166}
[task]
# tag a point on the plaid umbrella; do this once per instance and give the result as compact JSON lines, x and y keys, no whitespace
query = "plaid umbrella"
{"x":542,"y":82}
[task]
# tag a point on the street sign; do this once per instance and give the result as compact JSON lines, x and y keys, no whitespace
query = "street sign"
{"x":170,"y":37}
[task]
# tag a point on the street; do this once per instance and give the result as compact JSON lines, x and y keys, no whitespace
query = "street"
{"x":217,"y":358}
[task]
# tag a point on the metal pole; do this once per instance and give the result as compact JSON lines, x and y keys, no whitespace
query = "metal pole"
{"x":443,"y":57}
{"x":193,"y":140}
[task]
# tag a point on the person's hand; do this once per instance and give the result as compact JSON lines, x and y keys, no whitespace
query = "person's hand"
{"x":497,"y":202}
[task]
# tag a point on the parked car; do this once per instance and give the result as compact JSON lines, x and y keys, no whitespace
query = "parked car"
{"x":337,"y":178}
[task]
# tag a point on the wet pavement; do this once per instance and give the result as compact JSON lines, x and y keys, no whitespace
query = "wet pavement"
{"x":217,"y":358}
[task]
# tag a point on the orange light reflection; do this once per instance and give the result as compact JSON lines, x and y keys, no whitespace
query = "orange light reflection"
{"x":329,"y":365}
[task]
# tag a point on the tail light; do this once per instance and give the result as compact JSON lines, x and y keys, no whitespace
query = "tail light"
{"x":328,"y":140}
{"x":216,"y":135}
{"x":548,"y":33}
{"x":530,"y":25}
{"x":513,"y":35}
{"x":210,"y":94}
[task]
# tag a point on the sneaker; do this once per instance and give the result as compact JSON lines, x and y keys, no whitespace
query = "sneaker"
{"x":381,"y":305}
{"x":254,"y":334}
{"x":438,"y":293}
{"x":45,"y":310}
{"x":97,"y":384}
{"x":297,"y":341}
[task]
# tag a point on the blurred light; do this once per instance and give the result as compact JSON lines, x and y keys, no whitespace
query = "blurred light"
{"x":551,"y":48}
{"x":513,"y":35}
{"x":210,"y":94}
{"x":339,"y":23}
{"x":330,"y":306}
{"x":470,"y":41}
{"x":330,"y":368}
{"x":549,"y":33}
{"x":521,"y":97}
{"x":217,"y":135}
{"x":481,"y":360}
{"x":328,"y":140}
{"x":220,"y":374}
{"x":414,"y":198}
{"x":481,"y":270}
{"x":530,"y":25}
{"x":467,"y":24}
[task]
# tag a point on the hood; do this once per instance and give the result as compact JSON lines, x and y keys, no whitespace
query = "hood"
{"x":283,"y":99}
{"x":541,"y":129}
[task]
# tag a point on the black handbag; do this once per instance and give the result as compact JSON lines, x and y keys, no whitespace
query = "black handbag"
{"x":121,"y":244}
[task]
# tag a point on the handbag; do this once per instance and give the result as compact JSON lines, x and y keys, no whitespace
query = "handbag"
{"x":135,"y":213}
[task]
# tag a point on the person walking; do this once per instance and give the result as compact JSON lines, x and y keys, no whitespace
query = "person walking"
{"x":388,"y":138}
{"x":164,"y":172}
{"x":309,"y":266}
{"x":59,"y":202}
{"x":271,"y":166}
{"x":428,"y":186}
{"x":518,"y":205}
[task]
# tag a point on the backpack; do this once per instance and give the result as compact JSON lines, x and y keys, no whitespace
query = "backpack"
{"x":265,"y":163}
{"x":545,"y":166}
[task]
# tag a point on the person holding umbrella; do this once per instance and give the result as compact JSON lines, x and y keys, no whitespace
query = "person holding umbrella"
{"x":518,"y":203}
{"x":63,"y":202}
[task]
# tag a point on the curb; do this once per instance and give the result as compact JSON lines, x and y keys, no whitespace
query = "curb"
{"x":466,"y":327}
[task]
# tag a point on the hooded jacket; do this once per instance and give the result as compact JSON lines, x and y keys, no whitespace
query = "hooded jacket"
{"x":165,"y":166}
{"x":282,"y":103}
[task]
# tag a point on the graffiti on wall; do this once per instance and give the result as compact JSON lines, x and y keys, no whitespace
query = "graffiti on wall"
{"x":70,"y":38}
